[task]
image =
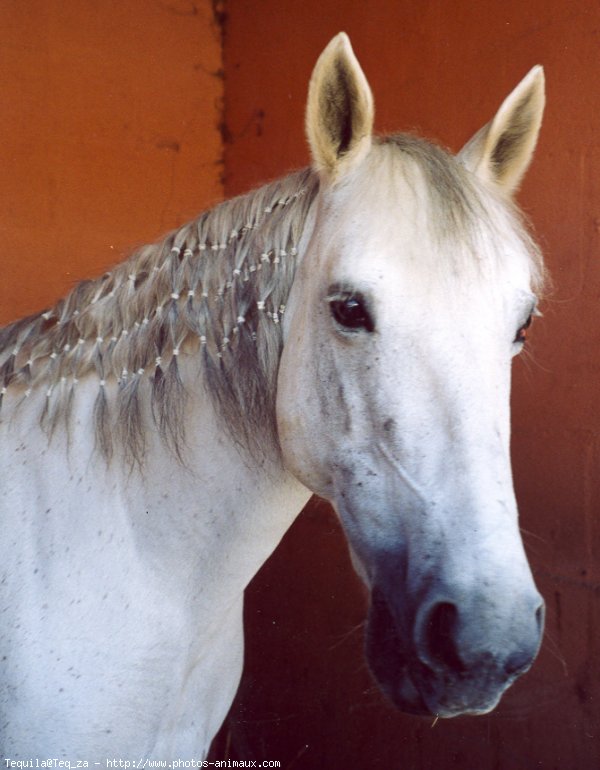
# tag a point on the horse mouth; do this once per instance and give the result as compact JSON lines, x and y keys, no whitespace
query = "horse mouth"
{"x":436,"y":699}
{"x":412,"y":686}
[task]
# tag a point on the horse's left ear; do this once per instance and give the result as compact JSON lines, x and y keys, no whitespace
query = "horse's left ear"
{"x":502,"y":150}
{"x":339,"y":113}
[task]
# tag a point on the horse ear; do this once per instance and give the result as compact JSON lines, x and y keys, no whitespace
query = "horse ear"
{"x":502,"y":150}
{"x":339,"y":113}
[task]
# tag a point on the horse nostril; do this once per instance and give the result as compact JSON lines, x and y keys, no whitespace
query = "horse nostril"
{"x":518,"y":663}
{"x":440,"y":637}
{"x":540,"y":616}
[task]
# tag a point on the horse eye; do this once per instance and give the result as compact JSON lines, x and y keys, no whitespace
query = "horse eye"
{"x":350,"y":312}
{"x":521,"y":335}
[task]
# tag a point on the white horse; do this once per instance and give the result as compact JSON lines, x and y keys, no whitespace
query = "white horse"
{"x":346,"y":331}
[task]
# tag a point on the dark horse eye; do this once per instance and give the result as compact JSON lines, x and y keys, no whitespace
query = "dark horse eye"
{"x":521,"y":335}
{"x":350,"y":312}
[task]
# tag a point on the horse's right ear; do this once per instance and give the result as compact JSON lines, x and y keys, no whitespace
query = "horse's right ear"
{"x":339,"y":113}
{"x":501,"y":151}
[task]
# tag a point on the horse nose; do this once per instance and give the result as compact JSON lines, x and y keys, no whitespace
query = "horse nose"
{"x":454,"y":641}
{"x":438,"y":648}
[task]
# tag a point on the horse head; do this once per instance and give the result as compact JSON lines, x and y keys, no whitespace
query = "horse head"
{"x":414,"y":293}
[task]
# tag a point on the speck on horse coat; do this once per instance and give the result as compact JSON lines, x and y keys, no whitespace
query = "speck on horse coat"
{"x":348,"y":331}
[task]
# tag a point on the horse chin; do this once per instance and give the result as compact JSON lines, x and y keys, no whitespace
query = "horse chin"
{"x":394,"y":679}
{"x":405,"y":696}
{"x":441,"y":699}
{"x":389,"y":662}
{"x":416,"y":693}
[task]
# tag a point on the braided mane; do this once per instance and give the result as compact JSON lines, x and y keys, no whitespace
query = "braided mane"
{"x":216,"y":287}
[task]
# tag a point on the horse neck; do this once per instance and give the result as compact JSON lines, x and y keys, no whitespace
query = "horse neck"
{"x":156,"y":385}
{"x":220,"y":506}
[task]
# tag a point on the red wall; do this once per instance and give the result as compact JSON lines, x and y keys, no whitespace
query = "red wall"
{"x":109,"y":135}
{"x":442,"y":69}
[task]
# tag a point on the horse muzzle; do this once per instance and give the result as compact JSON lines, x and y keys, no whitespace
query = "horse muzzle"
{"x":445,"y":659}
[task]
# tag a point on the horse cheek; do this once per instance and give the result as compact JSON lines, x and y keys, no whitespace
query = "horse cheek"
{"x":298,"y":420}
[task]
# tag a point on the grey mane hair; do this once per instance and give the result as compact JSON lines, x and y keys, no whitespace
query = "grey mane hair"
{"x":216,"y":287}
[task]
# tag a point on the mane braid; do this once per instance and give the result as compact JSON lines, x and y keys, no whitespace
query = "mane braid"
{"x":215,"y":289}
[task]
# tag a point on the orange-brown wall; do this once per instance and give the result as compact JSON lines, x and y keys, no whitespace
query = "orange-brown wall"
{"x":442,"y":68}
{"x":111,"y":134}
